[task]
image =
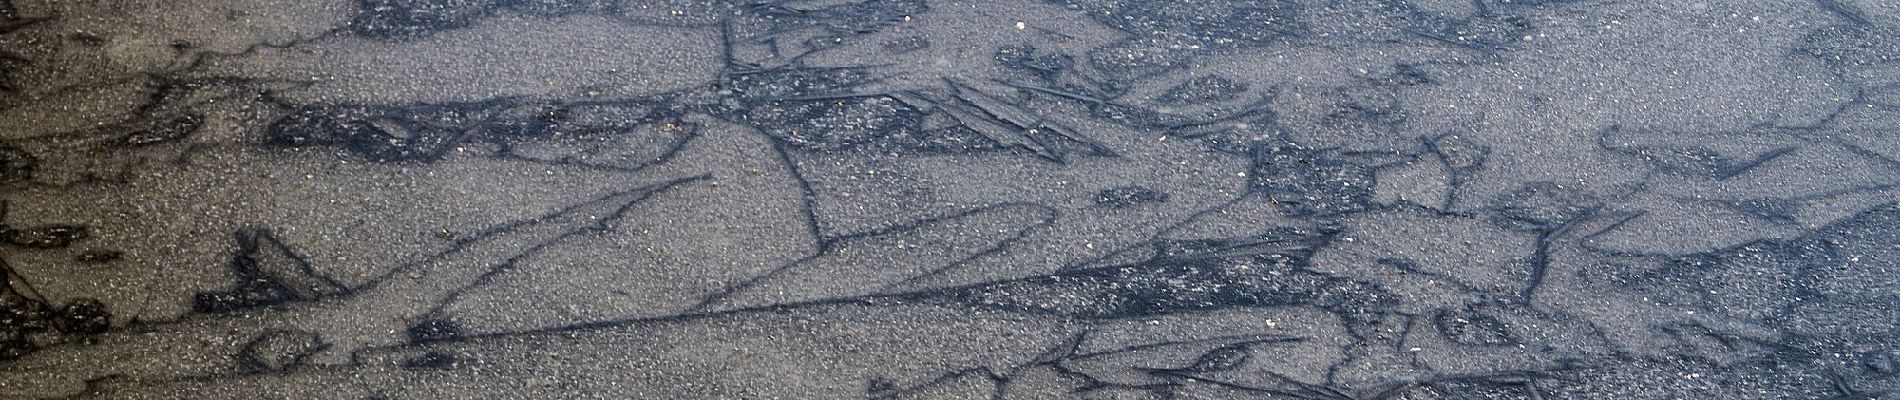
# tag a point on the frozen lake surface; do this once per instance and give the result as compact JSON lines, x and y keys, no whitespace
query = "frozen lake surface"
{"x":909,"y":199}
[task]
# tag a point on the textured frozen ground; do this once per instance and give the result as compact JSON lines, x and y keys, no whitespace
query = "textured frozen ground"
{"x":1008,"y":199}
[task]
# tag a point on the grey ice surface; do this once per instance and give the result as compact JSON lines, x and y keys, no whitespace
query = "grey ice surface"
{"x":908,"y":199}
